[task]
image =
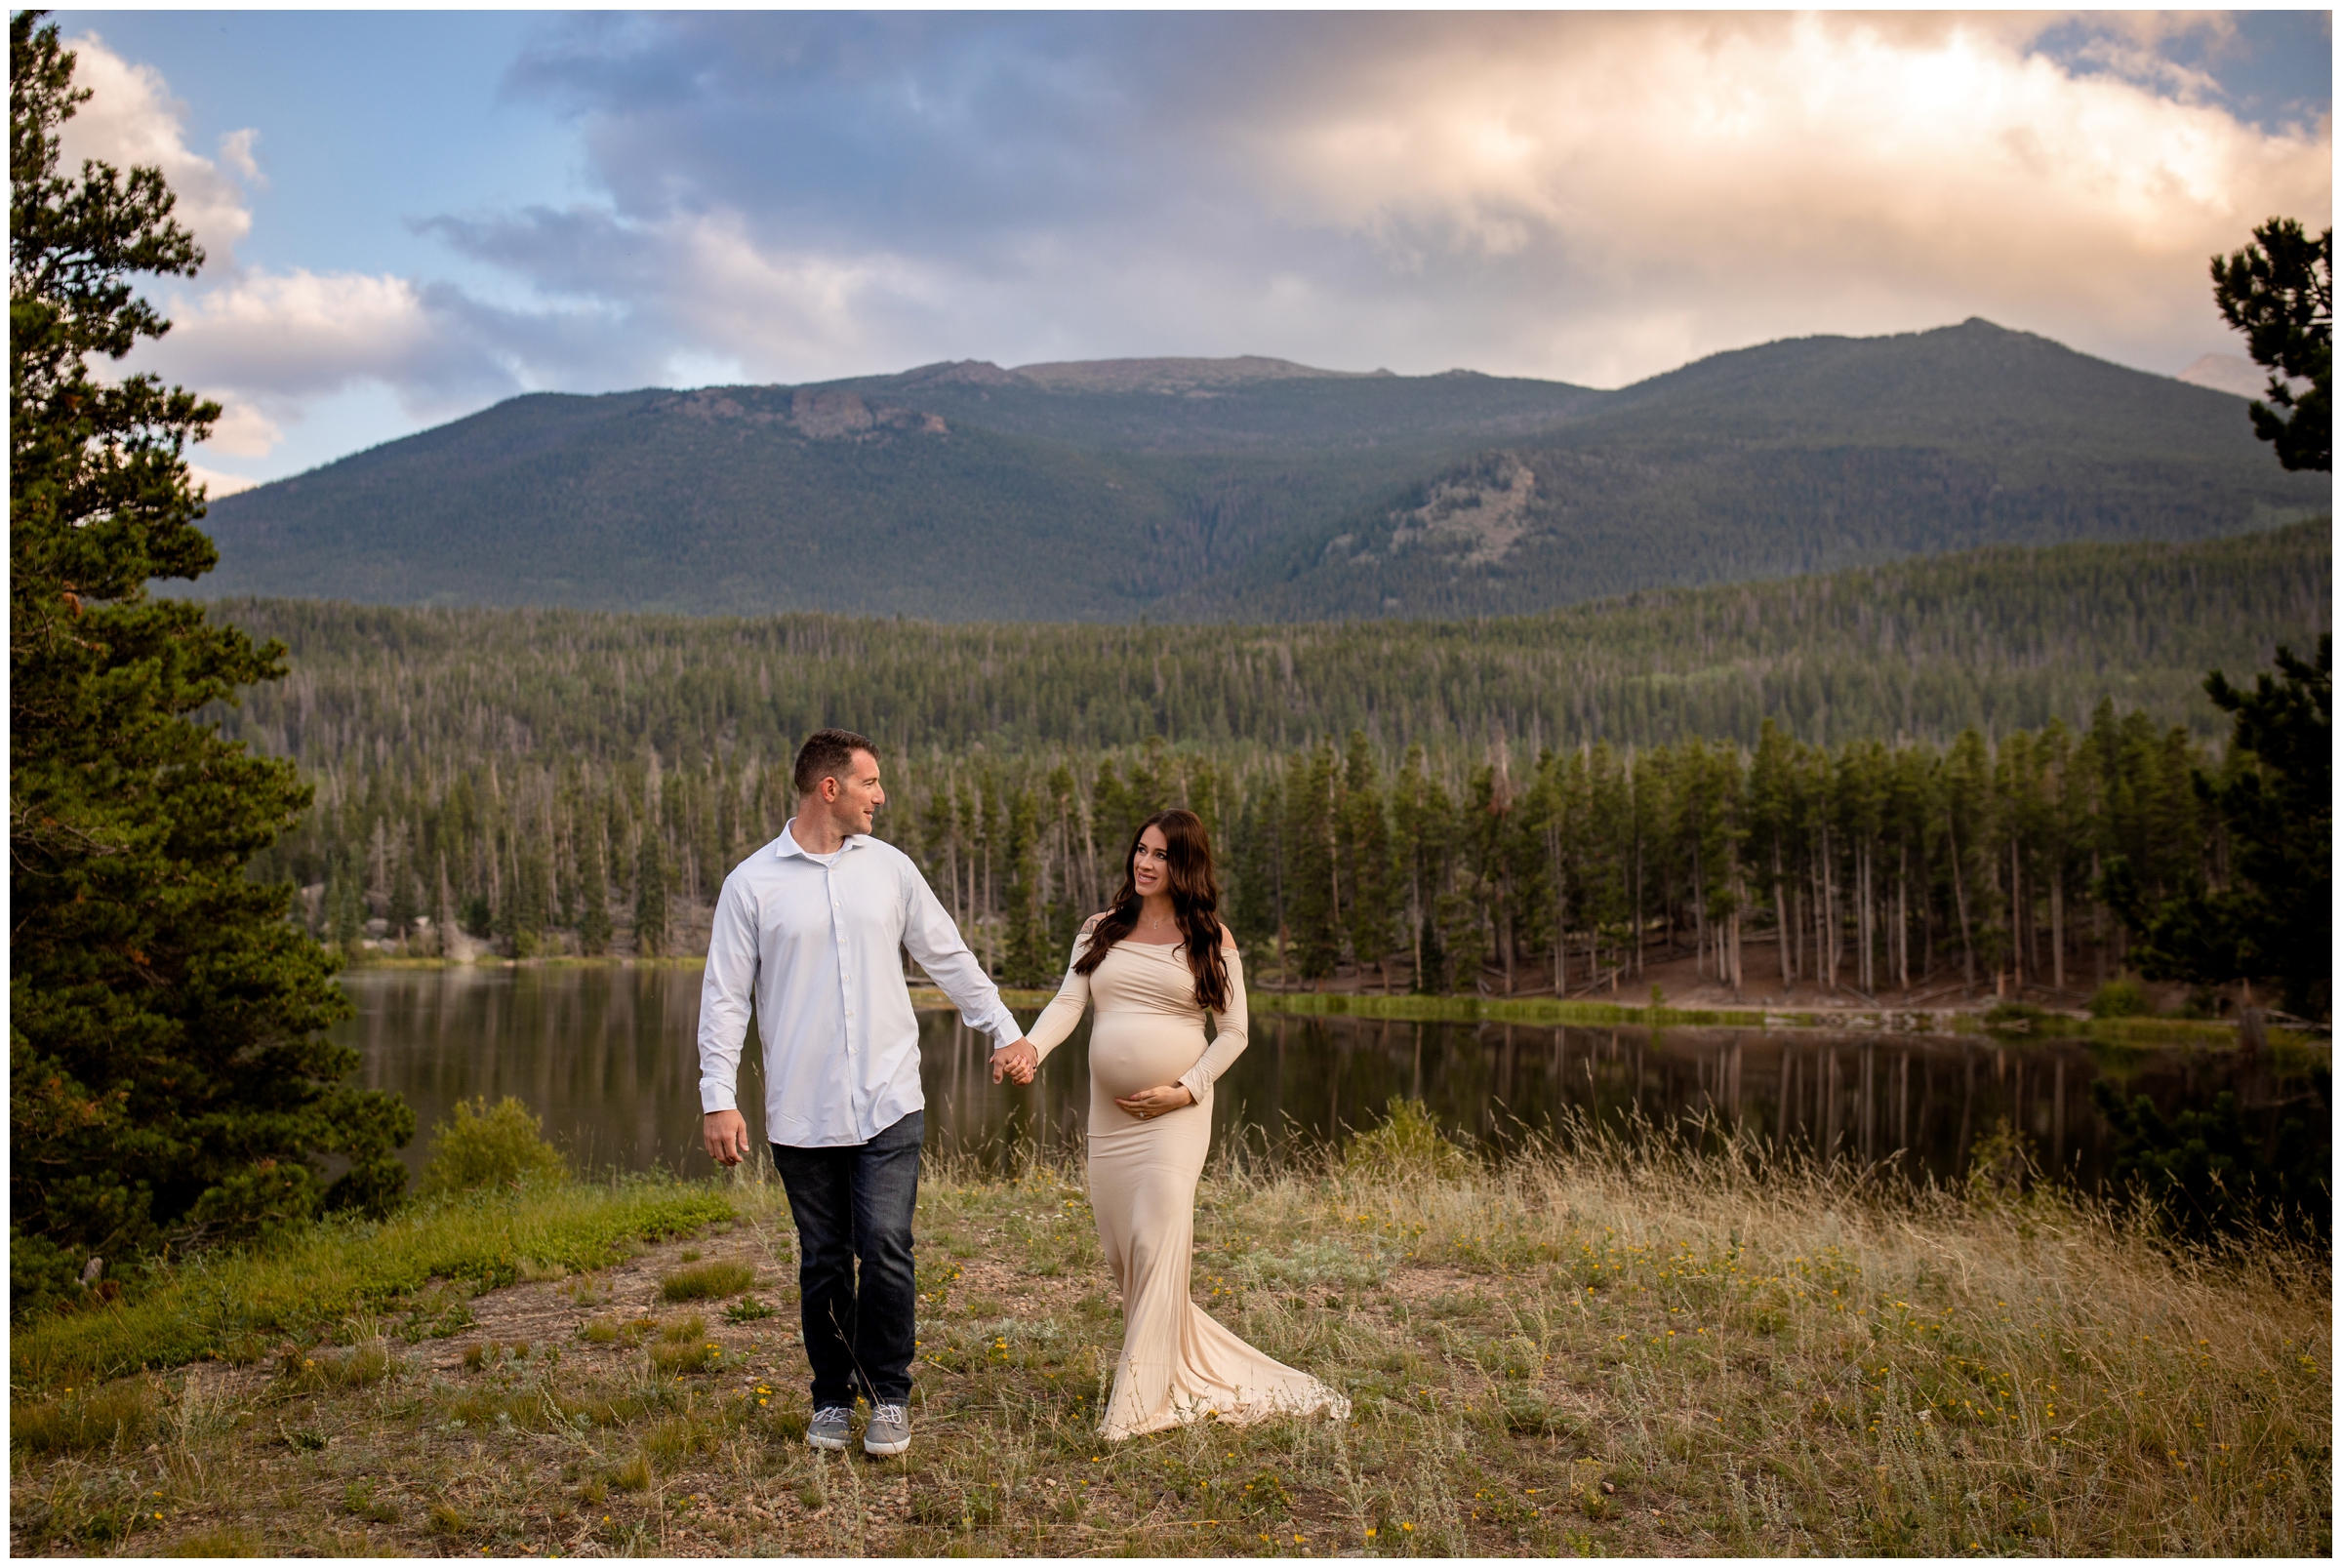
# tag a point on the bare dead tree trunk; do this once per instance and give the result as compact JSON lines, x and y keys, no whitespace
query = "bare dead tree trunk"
{"x":1781,"y":916}
{"x":1960,"y":896}
{"x":2016,"y":916}
{"x":1829,"y":913}
{"x":2057,"y":926}
{"x":1903,"y":916}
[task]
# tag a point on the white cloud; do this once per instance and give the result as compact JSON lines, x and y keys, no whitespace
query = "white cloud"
{"x":131,"y":119}
{"x":288,"y":335}
{"x":235,"y":151}
{"x":217,"y":484}
{"x":243,"y":431}
{"x":1708,"y":180}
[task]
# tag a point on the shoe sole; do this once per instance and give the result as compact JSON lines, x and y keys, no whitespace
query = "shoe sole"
{"x":829,"y":1445}
{"x":883,"y":1450}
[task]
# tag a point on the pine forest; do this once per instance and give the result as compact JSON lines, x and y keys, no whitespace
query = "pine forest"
{"x":1887,"y":781}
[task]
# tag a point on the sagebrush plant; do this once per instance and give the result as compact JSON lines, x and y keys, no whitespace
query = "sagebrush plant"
{"x":482,"y":1145}
{"x":1578,"y":1346}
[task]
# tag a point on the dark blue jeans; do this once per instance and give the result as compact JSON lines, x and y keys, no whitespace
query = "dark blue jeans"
{"x":854,"y":1204}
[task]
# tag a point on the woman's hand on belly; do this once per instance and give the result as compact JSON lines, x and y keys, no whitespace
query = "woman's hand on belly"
{"x":1149,"y":1103}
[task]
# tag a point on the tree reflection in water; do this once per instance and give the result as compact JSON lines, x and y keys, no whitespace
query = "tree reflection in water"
{"x":606,"y":1054}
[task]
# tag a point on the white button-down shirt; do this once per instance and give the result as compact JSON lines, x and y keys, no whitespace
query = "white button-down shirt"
{"x":815,"y":945}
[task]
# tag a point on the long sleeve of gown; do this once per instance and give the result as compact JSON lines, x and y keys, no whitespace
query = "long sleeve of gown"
{"x":1232,"y":1026}
{"x":1056,"y":1023}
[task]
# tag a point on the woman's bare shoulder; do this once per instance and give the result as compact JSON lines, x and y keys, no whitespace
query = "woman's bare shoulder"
{"x":1228,"y":939}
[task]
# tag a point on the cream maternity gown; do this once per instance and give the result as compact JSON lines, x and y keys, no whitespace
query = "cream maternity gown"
{"x":1177,"y":1364}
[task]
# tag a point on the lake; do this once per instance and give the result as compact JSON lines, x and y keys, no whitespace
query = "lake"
{"x":606,"y":1056}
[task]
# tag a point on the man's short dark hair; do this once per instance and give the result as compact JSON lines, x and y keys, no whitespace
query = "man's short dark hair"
{"x":828,"y":754}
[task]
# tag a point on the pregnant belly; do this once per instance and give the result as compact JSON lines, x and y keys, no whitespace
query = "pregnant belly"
{"x":1131,"y":1053}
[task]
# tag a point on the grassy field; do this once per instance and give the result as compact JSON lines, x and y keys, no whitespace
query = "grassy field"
{"x":1567,"y":1352}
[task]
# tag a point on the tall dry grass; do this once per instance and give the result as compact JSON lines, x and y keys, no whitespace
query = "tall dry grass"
{"x":1824,"y":1357}
{"x":1586,"y":1345}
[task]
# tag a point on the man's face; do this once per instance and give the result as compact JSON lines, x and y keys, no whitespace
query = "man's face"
{"x":855,"y":795}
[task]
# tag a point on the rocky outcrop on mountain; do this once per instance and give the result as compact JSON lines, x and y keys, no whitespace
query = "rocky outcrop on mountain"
{"x":821,"y":414}
{"x":1484,"y":510}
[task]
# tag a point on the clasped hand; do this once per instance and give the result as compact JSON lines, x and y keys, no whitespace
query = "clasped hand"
{"x":1016,"y":1061}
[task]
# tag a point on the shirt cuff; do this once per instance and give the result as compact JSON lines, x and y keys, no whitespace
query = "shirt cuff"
{"x":715,"y":1097}
{"x":1197,"y":1082}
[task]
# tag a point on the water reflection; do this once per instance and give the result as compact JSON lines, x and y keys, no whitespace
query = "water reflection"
{"x":606,"y":1056}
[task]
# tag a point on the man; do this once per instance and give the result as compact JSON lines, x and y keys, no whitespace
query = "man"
{"x":808,"y":928}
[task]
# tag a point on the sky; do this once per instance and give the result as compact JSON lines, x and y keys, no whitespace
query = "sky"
{"x":408,"y":217}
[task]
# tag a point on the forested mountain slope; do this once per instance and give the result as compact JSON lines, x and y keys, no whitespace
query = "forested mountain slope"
{"x":1259,"y":490}
{"x":1999,"y":639}
{"x":1800,"y":456}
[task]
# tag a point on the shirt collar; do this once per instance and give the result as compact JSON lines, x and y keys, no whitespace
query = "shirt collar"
{"x":786,"y":844}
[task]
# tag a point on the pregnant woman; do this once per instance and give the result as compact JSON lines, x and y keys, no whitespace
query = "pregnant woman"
{"x":1155,"y":964}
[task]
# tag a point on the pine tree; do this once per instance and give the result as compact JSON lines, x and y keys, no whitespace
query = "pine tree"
{"x":1312,"y":913}
{"x":1424,"y":821}
{"x":593,"y":895}
{"x":169,"y":1073}
{"x":1251,"y":863}
{"x":2279,"y":291}
{"x":1028,"y":959}
{"x":650,"y":897}
{"x":1363,"y":853}
{"x":2275,"y":920}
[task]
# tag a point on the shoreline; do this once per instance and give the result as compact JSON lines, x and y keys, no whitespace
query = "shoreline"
{"x":1543,"y":1012}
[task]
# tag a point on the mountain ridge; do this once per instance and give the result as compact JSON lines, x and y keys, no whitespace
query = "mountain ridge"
{"x":1255,"y":488}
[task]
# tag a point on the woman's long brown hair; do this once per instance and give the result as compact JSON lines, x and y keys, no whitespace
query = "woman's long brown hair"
{"x":1194,"y":904}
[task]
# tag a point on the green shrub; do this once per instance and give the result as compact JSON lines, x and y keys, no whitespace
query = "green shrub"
{"x":704,"y":1282}
{"x":479,"y":1145}
{"x":1408,"y":1143}
{"x":748,"y":1310}
{"x":2121,"y":997}
{"x":256,"y":1204}
{"x":41,"y":1275}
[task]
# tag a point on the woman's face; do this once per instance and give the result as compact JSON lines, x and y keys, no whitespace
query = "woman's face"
{"x":1151,"y":864}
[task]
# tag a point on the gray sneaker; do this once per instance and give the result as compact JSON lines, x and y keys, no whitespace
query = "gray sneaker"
{"x":829,"y":1429}
{"x":889,"y":1431}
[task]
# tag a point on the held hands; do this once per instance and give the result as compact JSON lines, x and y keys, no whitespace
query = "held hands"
{"x":726,"y":1133}
{"x":1149,"y":1103}
{"x":1017,"y":1060}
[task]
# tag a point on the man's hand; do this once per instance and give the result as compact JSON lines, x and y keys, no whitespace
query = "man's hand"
{"x":1018,"y":1060}
{"x":727,"y":1136}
